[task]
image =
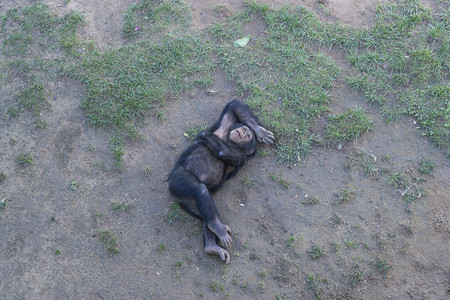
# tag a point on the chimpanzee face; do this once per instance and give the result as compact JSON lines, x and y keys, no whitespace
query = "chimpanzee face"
{"x":244,"y":138}
{"x":241,"y":134}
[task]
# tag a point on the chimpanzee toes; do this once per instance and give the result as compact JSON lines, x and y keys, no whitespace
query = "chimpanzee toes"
{"x":219,"y":251}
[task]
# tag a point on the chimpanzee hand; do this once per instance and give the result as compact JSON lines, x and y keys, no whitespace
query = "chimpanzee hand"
{"x":264,"y":136}
{"x":214,"y":143}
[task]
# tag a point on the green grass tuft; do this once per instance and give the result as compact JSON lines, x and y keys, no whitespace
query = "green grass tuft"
{"x":25,"y":159}
{"x":347,"y":126}
{"x":32,"y":98}
{"x":109,"y":240}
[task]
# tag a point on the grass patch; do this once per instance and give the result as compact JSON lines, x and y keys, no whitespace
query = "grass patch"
{"x":426,"y":166}
{"x":347,"y":126}
{"x":149,"y":18}
{"x":400,"y":65}
{"x":285,"y":82}
{"x":124,"y":84}
{"x":32,"y":98}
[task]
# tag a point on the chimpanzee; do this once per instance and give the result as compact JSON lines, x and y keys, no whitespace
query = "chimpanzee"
{"x":215,"y":156}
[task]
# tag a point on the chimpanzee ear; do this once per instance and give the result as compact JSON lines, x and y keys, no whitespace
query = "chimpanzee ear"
{"x":250,"y":151}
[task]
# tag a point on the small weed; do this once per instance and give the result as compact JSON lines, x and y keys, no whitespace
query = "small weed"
{"x":284,"y":182}
{"x":25,"y":159}
{"x":345,"y":195}
{"x":74,"y":185}
{"x":335,"y":246}
{"x":426,"y":167}
{"x":97,"y":216}
{"x":262,"y":274}
{"x":160,"y":114}
{"x":147,"y":171}
{"x":90,"y":148}
{"x":350,"y":244}
{"x":248,"y":181}
{"x":310,"y":201}
{"x":178,"y":264}
{"x":409,"y":191}
{"x":336,"y":220}
{"x":118,"y":207}
{"x":40,"y":123}
{"x":356,"y":276}
{"x":263,"y":152}
{"x":13,"y":112}
{"x":215,"y":286}
{"x":2,"y":177}
{"x":57,"y":251}
{"x":109,"y":240}
{"x":4,"y":203}
{"x":53,"y":219}
{"x":161,"y":248}
{"x":291,"y":241}
{"x":398,"y":180}
{"x":404,"y":249}
{"x":313,"y":283}
{"x":316,"y":251}
{"x":382,"y":266}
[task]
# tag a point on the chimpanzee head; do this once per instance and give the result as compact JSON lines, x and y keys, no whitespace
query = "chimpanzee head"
{"x":243,"y":137}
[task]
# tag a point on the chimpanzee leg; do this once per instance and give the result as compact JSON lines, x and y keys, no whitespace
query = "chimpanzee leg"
{"x":210,"y":214}
{"x":211,"y":246}
{"x":183,"y":184}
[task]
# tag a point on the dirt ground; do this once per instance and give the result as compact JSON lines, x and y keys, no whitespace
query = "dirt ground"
{"x":49,"y":240}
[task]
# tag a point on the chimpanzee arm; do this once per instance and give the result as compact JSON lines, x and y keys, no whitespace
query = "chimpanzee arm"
{"x":223,"y":150}
{"x":236,"y":111}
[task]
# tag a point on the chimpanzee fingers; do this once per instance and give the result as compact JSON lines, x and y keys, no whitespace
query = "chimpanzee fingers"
{"x":225,"y":256}
{"x":226,"y":241}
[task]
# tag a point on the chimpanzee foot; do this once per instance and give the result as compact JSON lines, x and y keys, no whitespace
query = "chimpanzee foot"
{"x":219,"y":251}
{"x":221,"y":231}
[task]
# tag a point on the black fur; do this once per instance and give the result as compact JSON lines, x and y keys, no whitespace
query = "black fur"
{"x":204,"y":166}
